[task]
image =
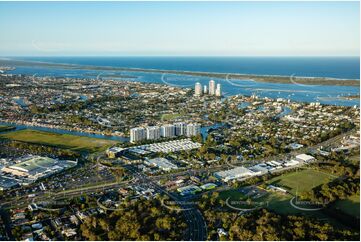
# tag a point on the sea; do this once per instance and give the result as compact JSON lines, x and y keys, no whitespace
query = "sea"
{"x":330,"y":67}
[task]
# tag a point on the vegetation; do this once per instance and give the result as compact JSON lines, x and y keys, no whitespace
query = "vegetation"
{"x":335,"y":190}
{"x":65,"y":141}
{"x":264,"y":225}
{"x":347,"y":185}
{"x":141,"y":220}
{"x":6,"y":128}
{"x":261,"y":224}
{"x":350,"y":206}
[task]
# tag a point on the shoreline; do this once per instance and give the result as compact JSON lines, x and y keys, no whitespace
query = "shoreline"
{"x":255,"y":77}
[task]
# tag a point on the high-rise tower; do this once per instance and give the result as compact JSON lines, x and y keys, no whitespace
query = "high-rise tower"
{"x":212,"y":87}
{"x":198,"y":89}
{"x":219,"y":90}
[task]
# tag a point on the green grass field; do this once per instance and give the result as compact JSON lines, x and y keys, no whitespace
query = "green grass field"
{"x":65,"y":141}
{"x":169,"y":117}
{"x":275,"y":201}
{"x":234,"y":194}
{"x":301,"y":181}
{"x":350,"y":206}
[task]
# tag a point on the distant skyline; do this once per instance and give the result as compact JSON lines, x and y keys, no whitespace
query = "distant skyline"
{"x":179,"y":29}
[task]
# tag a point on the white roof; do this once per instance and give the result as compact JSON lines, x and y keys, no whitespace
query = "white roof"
{"x":305,"y":157}
{"x":234,"y":172}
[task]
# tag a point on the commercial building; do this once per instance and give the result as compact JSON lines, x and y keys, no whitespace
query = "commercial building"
{"x":193,"y":130}
{"x":180,"y":129}
{"x":305,"y":158}
{"x":161,"y":163}
{"x":35,"y":167}
{"x":197,"y":89}
{"x":153,"y":132}
{"x":137,"y":134}
{"x":168,"y":131}
{"x":212,"y":87}
{"x":218,"y":91}
{"x":235,"y":173}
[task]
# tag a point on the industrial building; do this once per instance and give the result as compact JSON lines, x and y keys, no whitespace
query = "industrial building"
{"x":235,"y":173}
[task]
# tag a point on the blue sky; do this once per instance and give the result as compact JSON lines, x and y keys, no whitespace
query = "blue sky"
{"x":180,"y":28}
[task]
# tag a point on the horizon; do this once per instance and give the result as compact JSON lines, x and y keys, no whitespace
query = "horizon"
{"x":182,"y":56}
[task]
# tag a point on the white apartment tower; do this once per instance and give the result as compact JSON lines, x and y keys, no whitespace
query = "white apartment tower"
{"x":137,"y":134}
{"x":198,"y":89}
{"x":180,"y":129}
{"x":219,"y":90}
{"x":212,"y":87}
{"x":153,"y":132}
{"x":193,"y":130}
{"x":168,"y":131}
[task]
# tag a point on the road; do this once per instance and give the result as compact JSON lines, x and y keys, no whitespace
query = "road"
{"x":197,"y":227}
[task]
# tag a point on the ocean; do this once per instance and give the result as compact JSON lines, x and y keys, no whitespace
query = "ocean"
{"x":335,"y":67}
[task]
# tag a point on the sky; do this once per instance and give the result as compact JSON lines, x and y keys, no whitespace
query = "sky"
{"x":179,"y":29}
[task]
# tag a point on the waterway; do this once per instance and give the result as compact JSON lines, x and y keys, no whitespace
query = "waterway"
{"x":309,"y":67}
{"x":63,"y":131}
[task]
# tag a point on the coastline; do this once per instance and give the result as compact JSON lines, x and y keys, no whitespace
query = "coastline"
{"x":255,"y":77}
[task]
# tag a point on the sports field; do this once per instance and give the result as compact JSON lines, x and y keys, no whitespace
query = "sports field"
{"x":65,"y":141}
{"x":276,"y":201}
{"x":301,"y":181}
{"x":169,"y":117}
